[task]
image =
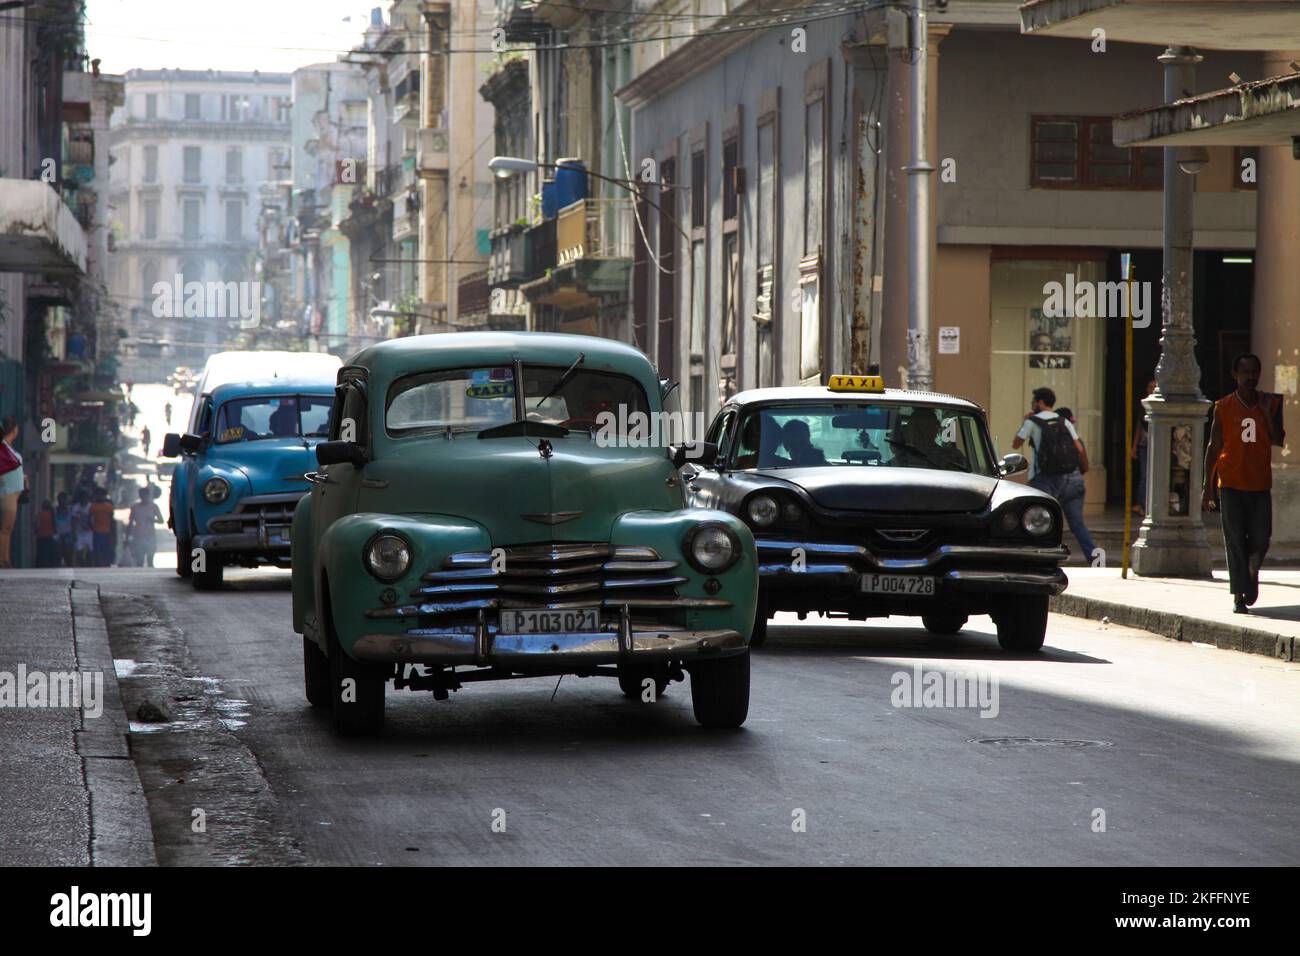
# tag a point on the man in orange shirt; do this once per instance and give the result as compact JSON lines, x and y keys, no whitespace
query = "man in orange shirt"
{"x":1239,"y":462}
{"x":104,"y":528}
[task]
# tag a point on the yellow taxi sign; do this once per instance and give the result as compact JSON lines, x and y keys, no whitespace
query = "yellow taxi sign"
{"x":856,"y":383}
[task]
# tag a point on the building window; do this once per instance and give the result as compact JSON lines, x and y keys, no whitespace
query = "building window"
{"x":190,"y":219}
{"x":766,"y":267}
{"x":234,"y":220}
{"x":234,"y":165}
{"x":148,"y":277}
{"x":193,"y":169}
{"x":151,"y":106}
{"x":730,"y":170}
{"x":813,"y":175}
{"x":275,"y":163}
{"x":1078,"y":152}
{"x":151,"y":164}
{"x":191,"y":106}
{"x":151,"y":219}
{"x":765,"y":219}
{"x":699,"y":188}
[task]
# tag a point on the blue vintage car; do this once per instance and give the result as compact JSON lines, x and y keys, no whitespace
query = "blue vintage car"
{"x":242,"y":472}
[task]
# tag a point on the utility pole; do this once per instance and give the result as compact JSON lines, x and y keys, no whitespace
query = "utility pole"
{"x":919,"y":373}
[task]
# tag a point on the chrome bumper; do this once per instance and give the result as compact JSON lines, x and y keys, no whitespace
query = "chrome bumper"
{"x":479,"y":646}
{"x":263,"y":541}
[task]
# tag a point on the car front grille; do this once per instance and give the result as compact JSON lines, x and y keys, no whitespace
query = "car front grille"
{"x":256,"y":512}
{"x":552,"y":576}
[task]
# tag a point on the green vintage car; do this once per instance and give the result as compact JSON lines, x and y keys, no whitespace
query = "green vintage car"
{"x":478,"y":512}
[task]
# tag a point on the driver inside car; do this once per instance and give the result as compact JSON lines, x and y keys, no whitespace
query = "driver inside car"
{"x":915,"y":446}
{"x":795,"y":436}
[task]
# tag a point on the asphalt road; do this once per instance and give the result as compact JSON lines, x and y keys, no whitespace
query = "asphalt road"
{"x":1113,"y":748}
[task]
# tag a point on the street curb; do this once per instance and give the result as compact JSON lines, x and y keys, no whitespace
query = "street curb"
{"x":120,"y":831}
{"x":1178,"y":627}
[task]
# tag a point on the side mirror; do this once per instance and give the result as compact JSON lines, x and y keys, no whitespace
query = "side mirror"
{"x":1012,"y":463}
{"x":190,"y":442}
{"x":702,"y":453}
{"x":341,"y":453}
{"x":171,"y":446}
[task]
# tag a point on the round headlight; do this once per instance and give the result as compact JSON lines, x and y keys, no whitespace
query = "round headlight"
{"x":1037,"y":520}
{"x":763,"y":510}
{"x":791,"y":513}
{"x":216,"y":490}
{"x":388,"y":557}
{"x":713,"y":548}
{"x":1008,"y":521}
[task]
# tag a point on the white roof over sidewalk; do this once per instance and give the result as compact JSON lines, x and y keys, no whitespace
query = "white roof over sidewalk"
{"x":1202,"y":24}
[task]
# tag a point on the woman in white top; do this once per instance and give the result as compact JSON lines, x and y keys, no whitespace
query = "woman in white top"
{"x":12,"y":484}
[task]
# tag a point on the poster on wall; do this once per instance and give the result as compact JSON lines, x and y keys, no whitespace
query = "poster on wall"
{"x":1051,"y":342}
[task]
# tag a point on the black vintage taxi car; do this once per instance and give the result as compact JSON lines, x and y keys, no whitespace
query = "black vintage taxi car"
{"x":868,"y":502}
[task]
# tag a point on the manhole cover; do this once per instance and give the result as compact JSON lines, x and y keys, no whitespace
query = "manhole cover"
{"x":1038,"y":742}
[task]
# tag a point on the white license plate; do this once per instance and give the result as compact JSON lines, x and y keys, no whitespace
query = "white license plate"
{"x":573,"y":620}
{"x":899,"y":585}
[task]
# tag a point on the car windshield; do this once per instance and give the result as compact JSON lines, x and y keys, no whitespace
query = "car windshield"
{"x":863,"y":434}
{"x":476,"y":399}
{"x":278,"y":416}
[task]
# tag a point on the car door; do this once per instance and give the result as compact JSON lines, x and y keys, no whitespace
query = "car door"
{"x":334,"y":489}
{"x":704,"y":485}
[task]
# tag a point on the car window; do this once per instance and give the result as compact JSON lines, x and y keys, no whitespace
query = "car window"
{"x":863,"y":434}
{"x":479,"y":398}
{"x":352,"y":415}
{"x":282,"y":416}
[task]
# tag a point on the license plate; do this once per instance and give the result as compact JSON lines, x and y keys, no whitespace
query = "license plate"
{"x":899,"y":585}
{"x":541,"y":621}
{"x":280,"y":536}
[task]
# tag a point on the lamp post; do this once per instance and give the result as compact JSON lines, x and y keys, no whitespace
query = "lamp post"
{"x":1172,"y":540}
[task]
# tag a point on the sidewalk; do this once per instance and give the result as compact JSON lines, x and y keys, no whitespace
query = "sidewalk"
{"x":1189,"y":609}
{"x":1108,"y":532}
{"x":69,"y":792}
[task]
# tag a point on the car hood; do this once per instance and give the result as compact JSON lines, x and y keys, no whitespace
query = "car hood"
{"x":271,"y":465}
{"x":890,"y":490}
{"x":519,"y":496}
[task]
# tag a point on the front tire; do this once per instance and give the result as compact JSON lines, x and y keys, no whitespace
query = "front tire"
{"x":944,"y":623}
{"x":315,"y":673}
{"x":210,"y":578}
{"x":720,"y":691}
{"x":356,"y":690}
{"x":183,"y":567}
{"x":1022,"y":624}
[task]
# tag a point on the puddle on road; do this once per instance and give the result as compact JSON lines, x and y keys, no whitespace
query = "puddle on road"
{"x":126,"y":668}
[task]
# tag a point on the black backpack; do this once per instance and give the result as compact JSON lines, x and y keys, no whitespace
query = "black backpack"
{"x":1055,"y":452}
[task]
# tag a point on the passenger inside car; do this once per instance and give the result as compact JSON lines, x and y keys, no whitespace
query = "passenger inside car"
{"x":915,"y":446}
{"x":795,"y":438}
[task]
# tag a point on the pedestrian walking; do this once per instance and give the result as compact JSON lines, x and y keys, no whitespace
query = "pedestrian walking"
{"x":63,"y":529}
{"x":167,"y":414}
{"x":142,"y":541}
{"x":1060,"y":462}
{"x":13,"y":482}
{"x":103,"y":529}
{"x":1239,"y":467}
{"x":47,"y":542}
{"x":144,"y":440}
{"x":83,"y":539}
{"x":1138,"y":452}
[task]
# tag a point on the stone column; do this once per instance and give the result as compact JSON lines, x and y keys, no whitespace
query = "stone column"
{"x":1172,"y":541}
{"x":1275,"y":324}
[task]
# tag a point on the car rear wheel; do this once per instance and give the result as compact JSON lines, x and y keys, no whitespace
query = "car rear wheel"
{"x":944,"y":623}
{"x":720,"y":691}
{"x":183,"y":567}
{"x":632,"y":682}
{"x":758,"y":636}
{"x":210,"y":578}
{"x":315,"y":673}
{"x":1022,"y":623}
{"x":356,"y":690}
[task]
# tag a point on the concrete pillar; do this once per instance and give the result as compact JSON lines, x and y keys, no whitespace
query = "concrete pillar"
{"x":1172,"y":543}
{"x":1275,"y":324}
{"x":898,"y":101}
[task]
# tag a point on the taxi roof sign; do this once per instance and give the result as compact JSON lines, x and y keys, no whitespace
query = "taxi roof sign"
{"x":856,"y":383}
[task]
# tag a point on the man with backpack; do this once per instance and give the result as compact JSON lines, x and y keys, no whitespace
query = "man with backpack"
{"x":1060,"y":462}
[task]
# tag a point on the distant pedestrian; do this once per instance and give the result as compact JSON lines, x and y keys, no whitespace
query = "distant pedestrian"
{"x":1060,"y":462}
{"x":144,"y":440}
{"x":63,"y":529}
{"x":167,"y":413}
{"x":104,"y":529}
{"x":1138,"y":452}
{"x":47,"y":542}
{"x":83,"y":539}
{"x":13,"y":482}
{"x":142,"y":541}
{"x":1239,"y":466}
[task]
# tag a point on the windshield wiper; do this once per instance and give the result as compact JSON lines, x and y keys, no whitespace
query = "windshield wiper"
{"x":563,"y":380}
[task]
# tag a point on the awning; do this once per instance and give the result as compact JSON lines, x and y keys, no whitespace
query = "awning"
{"x":1260,"y":113}
{"x":38,"y":232}
{"x":1202,"y":24}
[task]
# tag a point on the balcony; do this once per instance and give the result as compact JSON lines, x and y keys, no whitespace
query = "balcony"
{"x":508,"y":264}
{"x":472,"y":300}
{"x":592,"y":255}
{"x":38,"y":232}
